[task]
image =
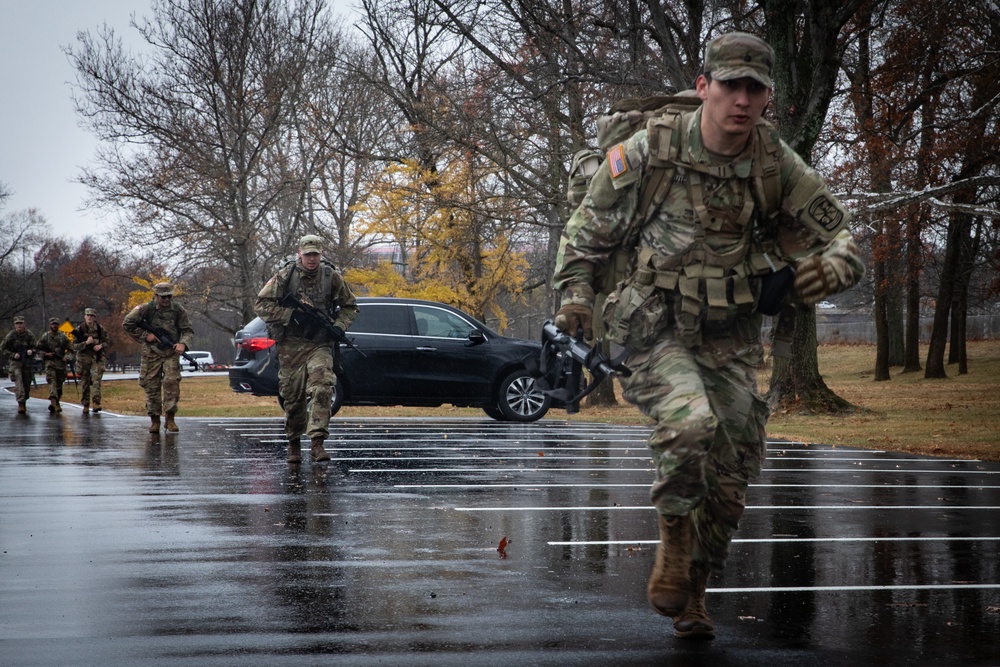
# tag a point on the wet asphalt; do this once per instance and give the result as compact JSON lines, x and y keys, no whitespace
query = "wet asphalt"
{"x":467,"y":542}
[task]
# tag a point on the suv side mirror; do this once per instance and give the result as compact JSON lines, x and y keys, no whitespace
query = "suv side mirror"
{"x":476,"y":337}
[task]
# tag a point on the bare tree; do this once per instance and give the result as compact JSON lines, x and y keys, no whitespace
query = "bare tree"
{"x":192,"y":127}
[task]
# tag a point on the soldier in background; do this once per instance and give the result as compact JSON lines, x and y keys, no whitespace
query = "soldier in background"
{"x":160,"y":369}
{"x":304,"y":349}
{"x":19,"y":344}
{"x":54,"y":347}
{"x":739,"y":206}
{"x":90,"y":342}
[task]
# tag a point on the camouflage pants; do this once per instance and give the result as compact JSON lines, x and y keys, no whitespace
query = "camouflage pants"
{"x":21,"y":375}
{"x":305,"y":382}
{"x":160,"y":377}
{"x":90,"y":370}
{"x":708,"y":442}
{"x":55,"y":376}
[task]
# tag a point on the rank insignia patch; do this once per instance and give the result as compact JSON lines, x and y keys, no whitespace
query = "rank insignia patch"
{"x":616,"y":161}
{"x":823,"y":211}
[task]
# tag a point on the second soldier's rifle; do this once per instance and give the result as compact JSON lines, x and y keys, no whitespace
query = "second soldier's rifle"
{"x":559,"y":369}
{"x":164,"y":341}
{"x":320,"y":319}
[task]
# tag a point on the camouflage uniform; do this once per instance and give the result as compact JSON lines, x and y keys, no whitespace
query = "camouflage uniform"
{"x":21,"y":370}
{"x":55,"y":348}
{"x":687,"y":309}
{"x":305,"y":350}
{"x":90,"y":363}
{"x":160,"y":370}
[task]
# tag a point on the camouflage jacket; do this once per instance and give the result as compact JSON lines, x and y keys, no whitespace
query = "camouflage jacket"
{"x":97,"y":332}
{"x":173,"y":320}
{"x":55,"y":344}
{"x":704,"y":243}
{"x":324,"y":288}
{"x":20,"y":343}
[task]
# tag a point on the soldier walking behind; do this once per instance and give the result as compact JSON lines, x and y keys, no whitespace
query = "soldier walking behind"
{"x":739,"y":206}
{"x":305,"y":348}
{"x":19,"y":344}
{"x":160,"y":369}
{"x":91,"y":342}
{"x":54,"y":346}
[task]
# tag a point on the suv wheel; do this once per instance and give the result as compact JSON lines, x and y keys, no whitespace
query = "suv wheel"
{"x":519,"y":399}
{"x":494,"y":412}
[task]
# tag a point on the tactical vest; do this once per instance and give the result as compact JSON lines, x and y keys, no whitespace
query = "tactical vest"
{"x":318,"y":295}
{"x":700,"y":284}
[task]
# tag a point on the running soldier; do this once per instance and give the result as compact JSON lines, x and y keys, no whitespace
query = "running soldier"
{"x":160,"y":367}
{"x":91,"y":342}
{"x":19,"y":344}
{"x":54,"y":347}
{"x":739,"y":204}
{"x":306,"y":348}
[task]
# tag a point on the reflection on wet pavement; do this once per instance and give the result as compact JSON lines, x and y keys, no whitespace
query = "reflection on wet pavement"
{"x":452,"y":541}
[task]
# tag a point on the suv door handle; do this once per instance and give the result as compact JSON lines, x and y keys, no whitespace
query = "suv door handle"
{"x":427,"y":349}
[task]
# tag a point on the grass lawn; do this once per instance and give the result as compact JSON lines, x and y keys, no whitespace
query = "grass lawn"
{"x":958,"y":416}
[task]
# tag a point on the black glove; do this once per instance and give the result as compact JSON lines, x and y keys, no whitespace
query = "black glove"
{"x":286,"y":301}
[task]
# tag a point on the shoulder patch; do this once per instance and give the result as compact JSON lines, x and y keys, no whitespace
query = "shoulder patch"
{"x":616,"y":161}
{"x":826,"y":213}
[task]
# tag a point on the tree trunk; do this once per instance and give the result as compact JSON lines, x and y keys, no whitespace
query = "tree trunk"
{"x":880,"y":310}
{"x":911,"y":347}
{"x":796,"y":382}
{"x":949,"y":277}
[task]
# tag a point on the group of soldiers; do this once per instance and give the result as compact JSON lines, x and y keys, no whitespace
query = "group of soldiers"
{"x":715,"y":215}
{"x":89,"y":349}
{"x":150,"y":323}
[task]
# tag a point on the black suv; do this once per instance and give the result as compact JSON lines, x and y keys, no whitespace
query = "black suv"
{"x":418,"y":353}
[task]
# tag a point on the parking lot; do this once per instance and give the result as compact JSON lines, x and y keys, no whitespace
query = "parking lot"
{"x":454,"y":541}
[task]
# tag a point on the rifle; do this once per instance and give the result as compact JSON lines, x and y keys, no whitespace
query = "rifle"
{"x":77,"y":335}
{"x":72,"y":369}
{"x":320,"y":318}
{"x":559,"y":370}
{"x":165,"y":342}
{"x":25,"y":360}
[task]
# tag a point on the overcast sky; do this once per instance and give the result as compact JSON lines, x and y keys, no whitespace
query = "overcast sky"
{"x":42,"y":146}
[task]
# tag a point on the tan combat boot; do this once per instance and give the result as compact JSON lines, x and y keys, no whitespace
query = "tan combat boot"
{"x":668,"y":587}
{"x":294,"y":450}
{"x":53,"y":405}
{"x":58,"y":406}
{"x":694,"y":623}
{"x":22,"y":408}
{"x":318,"y":453}
{"x":97,"y":406}
{"x":86,"y":410}
{"x":169,"y":424}
{"x":154,"y":425}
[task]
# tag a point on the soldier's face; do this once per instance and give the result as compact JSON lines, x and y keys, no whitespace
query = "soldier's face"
{"x":732,"y":107}
{"x":53,"y":327}
{"x":19,"y":326}
{"x":310,"y":260}
{"x":164,"y":300}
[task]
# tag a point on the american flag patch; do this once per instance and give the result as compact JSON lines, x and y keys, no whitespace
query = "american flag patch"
{"x":616,"y":161}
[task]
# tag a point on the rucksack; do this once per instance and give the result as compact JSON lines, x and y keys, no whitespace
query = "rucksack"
{"x":625,"y":118}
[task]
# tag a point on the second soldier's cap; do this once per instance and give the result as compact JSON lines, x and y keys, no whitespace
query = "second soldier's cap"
{"x":310,"y":243}
{"x":90,"y":311}
{"x":739,"y":54}
{"x":18,"y":319}
{"x":163,"y":289}
{"x":53,"y":320}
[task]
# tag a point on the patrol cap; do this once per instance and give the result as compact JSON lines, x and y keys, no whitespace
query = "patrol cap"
{"x":90,"y":311}
{"x":310,"y":243}
{"x":739,"y":54}
{"x":163,"y":289}
{"x":53,"y":320}
{"x":18,"y":319}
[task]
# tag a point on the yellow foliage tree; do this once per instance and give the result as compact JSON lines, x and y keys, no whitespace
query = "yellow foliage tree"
{"x":453,"y":244}
{"x":145,"y":294}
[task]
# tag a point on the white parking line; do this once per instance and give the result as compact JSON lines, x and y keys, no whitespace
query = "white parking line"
{"x":650,"y":508}
{"x":843,"y":589}
{"x":557,"y":485}
{"x":772,"y":540}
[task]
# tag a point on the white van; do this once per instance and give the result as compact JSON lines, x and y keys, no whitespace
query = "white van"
{"x":204,"y":359}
